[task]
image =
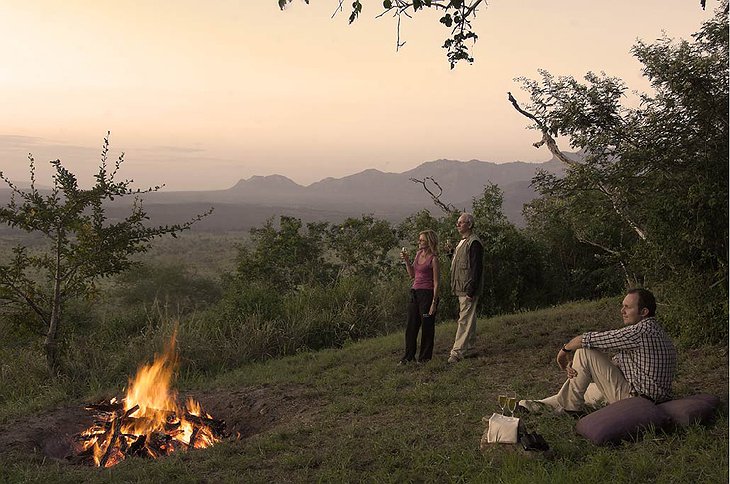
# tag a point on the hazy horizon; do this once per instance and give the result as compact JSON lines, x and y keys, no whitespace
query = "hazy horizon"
{"x":199,"y":96}
{"x":25,"y":182}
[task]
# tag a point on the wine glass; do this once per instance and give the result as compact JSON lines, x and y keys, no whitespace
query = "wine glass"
{"x":502,"y":402}
{"x":512,"y":403}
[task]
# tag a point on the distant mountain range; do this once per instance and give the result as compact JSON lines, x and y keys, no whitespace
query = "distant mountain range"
{"x":392,"y":196}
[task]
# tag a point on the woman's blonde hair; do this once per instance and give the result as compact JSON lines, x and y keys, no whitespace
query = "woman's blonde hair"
{"x":432,"y":239}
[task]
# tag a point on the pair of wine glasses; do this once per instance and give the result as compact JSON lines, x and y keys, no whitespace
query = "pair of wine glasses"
{"x":507,"y":400}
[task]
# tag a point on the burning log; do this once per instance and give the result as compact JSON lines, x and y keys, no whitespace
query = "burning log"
{"x":191,"y":442}
{"x":115,"y":434}
{"x":159,"y":425}
{"x":218,"y":426}
{"x":106,"y":407}
{"x":137,"y":448}
{"x":151,"y":433}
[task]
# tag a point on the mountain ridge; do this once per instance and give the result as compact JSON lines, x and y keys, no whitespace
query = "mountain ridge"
{"x":391,"y":196}
{"x":440,"y":164}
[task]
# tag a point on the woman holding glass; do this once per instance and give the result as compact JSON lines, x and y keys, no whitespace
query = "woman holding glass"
{"x":424,"y":297}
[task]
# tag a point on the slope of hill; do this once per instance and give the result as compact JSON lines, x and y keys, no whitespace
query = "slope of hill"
{"x":352,"y":415}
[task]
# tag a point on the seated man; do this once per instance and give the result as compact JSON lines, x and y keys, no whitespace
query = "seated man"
{"x":643,"y":365}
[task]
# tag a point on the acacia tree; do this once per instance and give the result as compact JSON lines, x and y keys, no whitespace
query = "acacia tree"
{"x":84,"y":245}
{"x":657,"y":172}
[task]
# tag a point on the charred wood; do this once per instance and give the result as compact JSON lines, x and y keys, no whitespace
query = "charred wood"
{"x":115,"y":435}
{"x":138,"y":448}
{"x":217,"y":426}
{"x":191,"y":443}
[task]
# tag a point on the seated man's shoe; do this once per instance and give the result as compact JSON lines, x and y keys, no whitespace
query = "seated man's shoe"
{"x":533,"y":406}
{"x":539,"y":406}
{"x":454,"y":359}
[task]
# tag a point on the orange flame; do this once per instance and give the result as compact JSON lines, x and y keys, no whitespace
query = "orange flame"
{"x":150,"y":421}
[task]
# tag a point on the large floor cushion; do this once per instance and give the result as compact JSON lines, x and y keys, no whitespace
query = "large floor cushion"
{"x":621,"y":420}
{"x":691,"y":410}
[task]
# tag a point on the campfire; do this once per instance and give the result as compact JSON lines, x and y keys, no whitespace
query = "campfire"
{"x":148,"y":421}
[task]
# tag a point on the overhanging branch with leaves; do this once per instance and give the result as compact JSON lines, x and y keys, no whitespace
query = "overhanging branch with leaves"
{"x":457,"y":16}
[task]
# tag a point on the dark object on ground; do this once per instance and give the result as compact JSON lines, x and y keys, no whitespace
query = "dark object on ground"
{"x":534,"y":441}
{"x":627,"y":419}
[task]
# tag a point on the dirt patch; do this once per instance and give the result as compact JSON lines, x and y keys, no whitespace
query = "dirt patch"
{"x":246,"y":411}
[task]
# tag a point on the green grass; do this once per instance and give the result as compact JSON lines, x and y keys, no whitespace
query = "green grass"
{"x":352,"y":415}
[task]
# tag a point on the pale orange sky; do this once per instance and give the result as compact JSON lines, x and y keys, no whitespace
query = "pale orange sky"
{"x":201,"y":94}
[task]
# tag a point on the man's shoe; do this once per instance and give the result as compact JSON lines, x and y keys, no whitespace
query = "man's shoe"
{"x":533,"y":406}
{"x":537,"y":406}
{"x":454,"y":359}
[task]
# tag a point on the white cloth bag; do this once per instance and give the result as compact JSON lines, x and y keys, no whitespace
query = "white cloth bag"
{"x":502,"y":429}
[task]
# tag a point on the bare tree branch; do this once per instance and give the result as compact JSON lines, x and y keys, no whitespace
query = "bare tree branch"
{"x":552,"y":145}
{"x":447,"y":208}
{"x":457,"y":16}
{"x":630,"y":277}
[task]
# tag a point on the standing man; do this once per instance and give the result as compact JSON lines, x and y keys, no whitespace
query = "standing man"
{"x":466,"y":283}
{"x":643,"y":365}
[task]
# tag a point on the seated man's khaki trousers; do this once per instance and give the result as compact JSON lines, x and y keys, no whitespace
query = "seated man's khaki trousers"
{"x":598,"y":382}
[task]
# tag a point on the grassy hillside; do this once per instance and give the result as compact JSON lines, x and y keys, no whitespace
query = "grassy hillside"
{"x":352,"y":415}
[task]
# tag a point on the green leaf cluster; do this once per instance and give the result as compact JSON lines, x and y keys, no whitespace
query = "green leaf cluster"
{"x":291,"y":256}
{"x":287,"y":256}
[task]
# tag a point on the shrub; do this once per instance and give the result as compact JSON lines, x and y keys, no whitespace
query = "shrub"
{"x":694,"y":310}
{"x":172,"y":284}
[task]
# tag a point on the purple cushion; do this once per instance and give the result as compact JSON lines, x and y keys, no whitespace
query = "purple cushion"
{"x":621,"y":420}
{"x":691,"y":410}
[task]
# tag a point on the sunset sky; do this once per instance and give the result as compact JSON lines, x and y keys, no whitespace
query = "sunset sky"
{"x":201,"y":94}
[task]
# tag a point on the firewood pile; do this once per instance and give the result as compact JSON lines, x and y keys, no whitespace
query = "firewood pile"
{"x":118,"y":433}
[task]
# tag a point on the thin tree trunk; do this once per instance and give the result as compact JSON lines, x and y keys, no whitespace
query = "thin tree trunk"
{"x":51,"y":343}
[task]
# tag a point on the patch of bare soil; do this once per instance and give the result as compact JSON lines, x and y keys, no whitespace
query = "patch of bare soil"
{"x":246,"y":411}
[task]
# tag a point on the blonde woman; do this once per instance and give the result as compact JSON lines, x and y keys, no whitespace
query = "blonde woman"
{"x":424,"y":297}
